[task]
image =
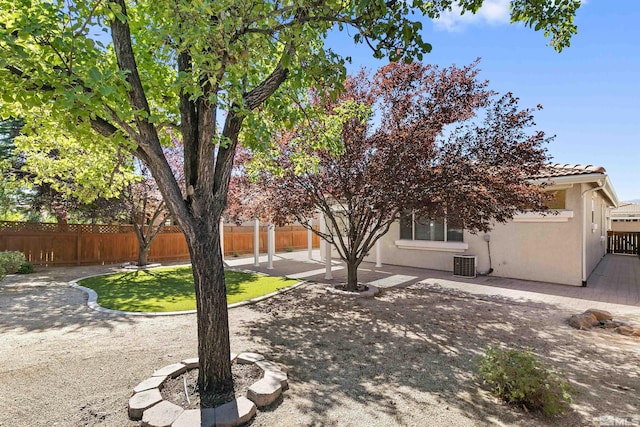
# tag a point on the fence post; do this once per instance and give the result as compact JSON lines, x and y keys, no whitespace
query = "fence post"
{"x":78,"y":243}
{"x":256,"y":243}
{"x":271,"y":245}
{"x":378,"y":254}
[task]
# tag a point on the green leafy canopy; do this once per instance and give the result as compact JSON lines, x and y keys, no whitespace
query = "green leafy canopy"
{"x":56,"y":54}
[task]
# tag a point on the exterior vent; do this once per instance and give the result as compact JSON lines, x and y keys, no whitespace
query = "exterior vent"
{"x":464,"y":265}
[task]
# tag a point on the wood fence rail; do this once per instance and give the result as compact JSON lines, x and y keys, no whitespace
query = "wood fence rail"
{"x":81,"y":244}
{"x":623,"y":242}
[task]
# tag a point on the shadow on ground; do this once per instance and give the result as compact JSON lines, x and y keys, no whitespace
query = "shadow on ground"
{"x":44,"y":301}
{"x":412,"y":351}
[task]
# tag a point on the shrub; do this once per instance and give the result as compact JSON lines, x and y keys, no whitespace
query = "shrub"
{"x":519,"y":378}
{"x":11,"y":261}
{"x":25,"y":268}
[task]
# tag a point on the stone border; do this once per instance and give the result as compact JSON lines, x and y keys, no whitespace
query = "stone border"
{"x":372,"y":291}
{"x":92,"y":297}
{"x":134,"y":267}
{"x":147,"y":404}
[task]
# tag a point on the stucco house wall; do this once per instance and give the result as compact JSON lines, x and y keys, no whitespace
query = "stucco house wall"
{"x":594,"y":228}
{"x":532,"y":246}
{"x":536,"y":247}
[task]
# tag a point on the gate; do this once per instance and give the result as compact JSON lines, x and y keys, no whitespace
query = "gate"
{"x":623,"y":242}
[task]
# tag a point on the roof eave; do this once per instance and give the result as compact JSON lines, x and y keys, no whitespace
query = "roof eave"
{"x":599,"y":179}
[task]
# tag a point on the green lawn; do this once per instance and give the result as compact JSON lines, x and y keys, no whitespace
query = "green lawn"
{"x":171,"y":289}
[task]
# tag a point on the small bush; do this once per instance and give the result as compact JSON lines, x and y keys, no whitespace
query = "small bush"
{"x":25,"y":268}
{"x":517,"y":377}
{"x":10,"y":262}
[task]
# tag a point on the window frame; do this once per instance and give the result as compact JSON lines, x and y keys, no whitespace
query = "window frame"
{"x":445,"y":231}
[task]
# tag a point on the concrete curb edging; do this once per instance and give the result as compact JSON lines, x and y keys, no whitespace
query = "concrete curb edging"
{"x":92,"y":300}
{"x":371,"y":292}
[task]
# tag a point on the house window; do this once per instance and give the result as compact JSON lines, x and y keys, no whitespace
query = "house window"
{"x":558,"y":199}
{"x":422,"y":228}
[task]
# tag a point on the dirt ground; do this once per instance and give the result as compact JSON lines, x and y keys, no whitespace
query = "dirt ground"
{"x":405,"y":358}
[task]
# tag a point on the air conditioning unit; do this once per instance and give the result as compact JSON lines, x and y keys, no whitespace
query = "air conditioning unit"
{"x":464,"y":265}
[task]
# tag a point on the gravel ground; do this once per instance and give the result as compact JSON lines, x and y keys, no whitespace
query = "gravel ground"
{"x":405,"y":358}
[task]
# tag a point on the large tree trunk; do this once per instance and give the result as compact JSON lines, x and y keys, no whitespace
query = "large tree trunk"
{"x":352,"y":275}
{"x":143,"y":253}
{"x":213,"y":322}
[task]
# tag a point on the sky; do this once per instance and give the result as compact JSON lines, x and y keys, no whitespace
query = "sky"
{"x":590,"y":92}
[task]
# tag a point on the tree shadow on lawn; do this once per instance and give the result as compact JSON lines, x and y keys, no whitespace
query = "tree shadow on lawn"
{"x":139,"y":290}
{"x":235,"y":280}
{"x":402,"y":353}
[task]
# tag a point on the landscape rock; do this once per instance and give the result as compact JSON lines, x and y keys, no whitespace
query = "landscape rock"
{"x":267,"y":365}
{"x":611,"y":324}
{"x":171,"y":370}
{"x":147,"y":403}
{"x":265,"y":391}
{"x":594,"y":317}
{"x":161,"y":415}
{"x":234,"y":413}
{"x":139,"y":402}
{"x":600,"y":314}
{"x":192,"y":363}
{"x":279,"y":376}
{"x":248,"y":358}
{"x":583,"y":321}
{"x":196,"y":418}
{"x":149,"y":383}
{"x":625,"y":330}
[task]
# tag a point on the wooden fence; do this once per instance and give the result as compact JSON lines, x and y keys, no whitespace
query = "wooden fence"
{"x":81,"y":244}
{"x":623,"y":242}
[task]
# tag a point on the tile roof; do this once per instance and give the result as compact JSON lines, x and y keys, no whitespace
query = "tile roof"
{"x":557,"y":169}
{"x":627,"y":208}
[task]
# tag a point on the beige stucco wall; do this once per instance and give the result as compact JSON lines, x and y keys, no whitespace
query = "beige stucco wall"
{"x":625,"y":226}
{"x":595,"y":228}
{"x":539,"y":249}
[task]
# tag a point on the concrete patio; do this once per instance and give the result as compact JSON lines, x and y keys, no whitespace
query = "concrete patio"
{"x":614,"y":285}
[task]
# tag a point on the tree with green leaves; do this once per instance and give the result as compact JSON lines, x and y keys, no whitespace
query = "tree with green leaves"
{"x":112,"y":74}
{"x":9,"y":189}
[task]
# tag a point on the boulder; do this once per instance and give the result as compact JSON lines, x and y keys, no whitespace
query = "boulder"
{"x":610,"y":324}
{"x":583,"y":321}
{"x":600,"y":314}
{"x":625,"y":330}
